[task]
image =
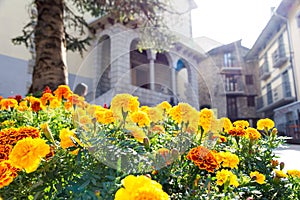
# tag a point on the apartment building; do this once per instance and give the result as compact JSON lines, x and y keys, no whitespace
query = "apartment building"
{"x":277,"y":54}
{"x":229,"y":82}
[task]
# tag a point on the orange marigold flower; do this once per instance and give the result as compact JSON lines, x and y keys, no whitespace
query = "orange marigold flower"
{"x":6,"y":104}
{"x":265,"y":124}
{"x":237,"y":131}
{"x":12,"y":135}
{"x":7,"y":173}
{"x":203,"y":158}
{"x":47,"y":98}
{"x":28,"y":152}
{"x":62,"y":91}
{"x":141,"y":118}
{"x":253,"y":134}
{"x":5,"y":151}
{"x":258,"y":177}
{"x":274,"y":163}
{"x":47,"y":90}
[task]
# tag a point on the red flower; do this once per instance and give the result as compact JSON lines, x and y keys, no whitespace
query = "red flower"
{"x":47,"y":90}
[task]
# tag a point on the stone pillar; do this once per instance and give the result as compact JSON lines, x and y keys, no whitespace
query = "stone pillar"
{"x":173,"y":79}
{"x":151,"y":55}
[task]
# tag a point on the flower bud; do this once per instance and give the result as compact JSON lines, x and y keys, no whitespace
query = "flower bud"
{"x":146,"y":143}
{"x":281,"y":165}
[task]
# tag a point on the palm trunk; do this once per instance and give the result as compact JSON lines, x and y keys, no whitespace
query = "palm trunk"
{"x":50,"y":65}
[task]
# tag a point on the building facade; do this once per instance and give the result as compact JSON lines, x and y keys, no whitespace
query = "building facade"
{"x":229,"y":82}
{"x":277,"y":52}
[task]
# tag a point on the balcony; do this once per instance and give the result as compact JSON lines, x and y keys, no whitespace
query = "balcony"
{"x":231,"y":70}
{"x":279,"y":58}
{"x":279,"y":96}
{"x":264,"y":72}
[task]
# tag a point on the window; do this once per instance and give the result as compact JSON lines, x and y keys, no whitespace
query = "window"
{"x":249,"y":79}
{"x":230,"y":83}
{"x":251,"y":101}
{"x":232,"y":108}
{"x":228,"y":60}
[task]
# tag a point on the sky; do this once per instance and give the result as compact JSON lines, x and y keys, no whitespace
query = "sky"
{"x":227,"y":21}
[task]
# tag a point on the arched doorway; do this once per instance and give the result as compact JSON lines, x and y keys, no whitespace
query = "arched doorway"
{"x":104,"y":47}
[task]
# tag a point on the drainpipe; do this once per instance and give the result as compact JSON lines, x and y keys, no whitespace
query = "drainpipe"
{"x":291,"y":50}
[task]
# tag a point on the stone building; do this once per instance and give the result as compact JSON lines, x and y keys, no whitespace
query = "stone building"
{"x":231,"y":82}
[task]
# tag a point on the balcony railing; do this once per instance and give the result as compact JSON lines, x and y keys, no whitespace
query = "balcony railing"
{"x":279,"y":58}
{"x":278,"y":96}
{"x":231,"y":70}
{"x":264,"y":72}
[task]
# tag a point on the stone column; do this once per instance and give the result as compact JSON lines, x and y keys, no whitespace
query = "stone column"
{"x":151,"y":55}
{"x":173,"y":80}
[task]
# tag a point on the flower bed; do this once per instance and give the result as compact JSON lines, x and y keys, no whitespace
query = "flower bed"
{"x":60,"y":147}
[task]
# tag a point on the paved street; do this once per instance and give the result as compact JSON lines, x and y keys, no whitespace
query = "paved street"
{"x":290,"y":155}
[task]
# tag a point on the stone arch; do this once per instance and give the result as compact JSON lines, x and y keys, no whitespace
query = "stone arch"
{"x":139,"y":66}
{"x":163,"y":73}
{"x":183,"y":78}
{"x":104,"y":70}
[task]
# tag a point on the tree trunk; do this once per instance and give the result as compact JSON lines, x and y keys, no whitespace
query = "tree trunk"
{"x":50,"y":64}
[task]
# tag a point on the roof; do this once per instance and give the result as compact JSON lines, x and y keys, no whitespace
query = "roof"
{"x":275,"y":22}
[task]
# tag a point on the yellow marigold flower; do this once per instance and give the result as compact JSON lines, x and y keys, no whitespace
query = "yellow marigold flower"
{"x":280,"y":174}
{"x":85,"y":120}
{"x":137,"y":133}
{"x":265,"y":124}
{"x":6,"y":104}
{"x":294,"y":173}
{"x":229,"y":160}
{"x":141,"y":118}
{"x":241,"y":124}
{"x":140,"y":188}
{"x":227,"y":125}
{"x":258,"y":177}
{"x":164,"y":106}
{"x":253,"y":134}
{"x":27,"y":153}
{"x":62,"y":91}
{"x":54,"y":103}
{"x":224,"y":175}
{"x":8,"y":123}
{"x":65,"y":136}
{"x":5,"y":151}
{"x":183,"y":112}
{"x":155,"y":114}
{"x":7,"y":173}
{"x":206,"y":117}
{"x":104,"y":116}
{"x":144,"y":109}
{"x":126,"y":102}
{"x":23,"y":106}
